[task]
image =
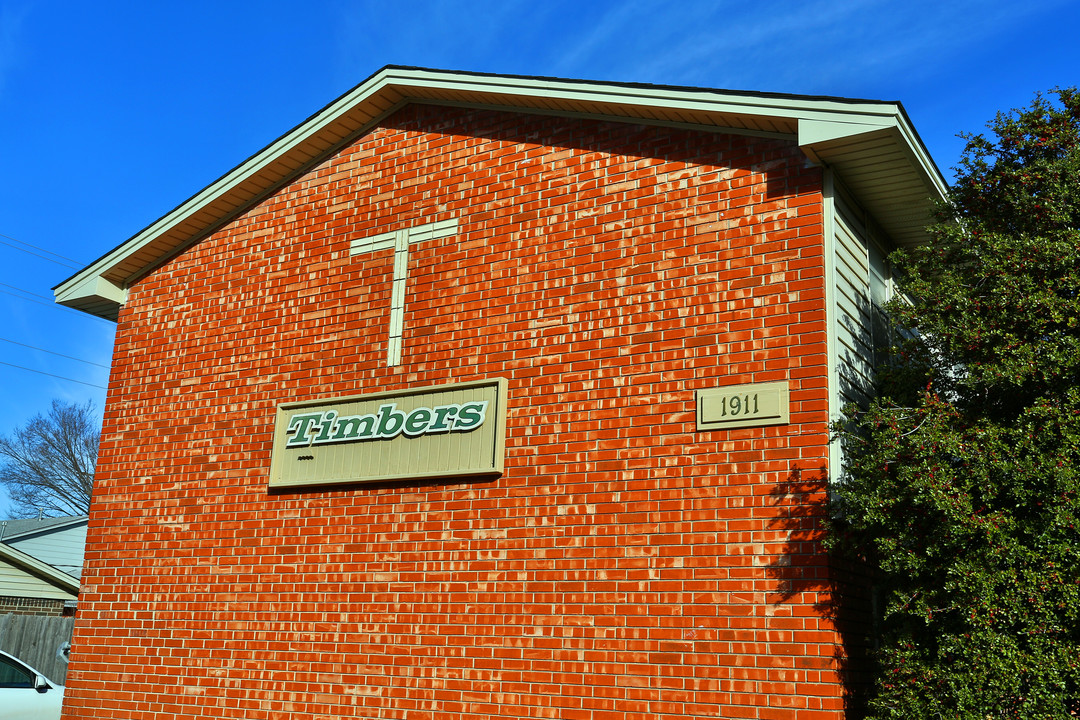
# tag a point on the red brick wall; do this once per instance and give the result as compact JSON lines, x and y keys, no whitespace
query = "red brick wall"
{"x":32,"y":606}
{"x":625,"y":566}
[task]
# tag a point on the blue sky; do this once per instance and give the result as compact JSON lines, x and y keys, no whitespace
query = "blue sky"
{"x":111,"y":114}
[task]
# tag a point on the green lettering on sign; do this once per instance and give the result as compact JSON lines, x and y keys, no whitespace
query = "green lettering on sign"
{"x":327,"y":427}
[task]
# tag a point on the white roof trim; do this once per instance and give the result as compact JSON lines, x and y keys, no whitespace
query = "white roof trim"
{"x":43,"y":570}
{"x":100,"y":288}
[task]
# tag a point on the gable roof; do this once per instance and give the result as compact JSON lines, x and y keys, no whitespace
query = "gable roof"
{"x":14,"y":529}
{"x":871,"y":145}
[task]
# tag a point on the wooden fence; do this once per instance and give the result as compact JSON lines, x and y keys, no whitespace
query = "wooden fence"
{"x":36,"y":640}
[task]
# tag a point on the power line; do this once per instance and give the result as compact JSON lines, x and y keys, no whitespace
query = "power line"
{"x":69,"y":357}
{"x":49,"y":304}
{"x":56,"y":254}
{"x":61,"y":377}
{"x":71,"y":263}
{"x":27,"y":292}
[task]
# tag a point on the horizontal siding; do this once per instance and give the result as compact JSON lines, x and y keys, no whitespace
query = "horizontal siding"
{"x":854,"y":314}
{"x":63,"y":549}
{"x":15,"y":582}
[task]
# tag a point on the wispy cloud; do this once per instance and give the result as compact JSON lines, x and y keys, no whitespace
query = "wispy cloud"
{"x":699,"y":41}
{"x":815,"y":46}
{"x":509,"y":36}
{"x":602,"y":37}
{"x":11,"y":22}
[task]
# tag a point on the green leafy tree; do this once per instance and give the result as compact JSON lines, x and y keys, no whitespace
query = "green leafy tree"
{"x":961,"y":480}
{"x":48,"y":464}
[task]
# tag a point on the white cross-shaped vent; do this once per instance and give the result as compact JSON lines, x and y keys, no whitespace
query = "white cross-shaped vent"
{"x":400,"y":240}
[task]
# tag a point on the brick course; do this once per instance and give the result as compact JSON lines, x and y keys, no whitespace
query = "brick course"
{"x":32,"y":606}
{"x":625,"y":566}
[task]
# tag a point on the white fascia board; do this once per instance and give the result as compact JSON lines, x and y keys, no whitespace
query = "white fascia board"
{"x":813,"y":132}
{"x":704,"y":100}
{"x":93,"y":281}
{"x":87,"y":286}
{"x":43,"y":570}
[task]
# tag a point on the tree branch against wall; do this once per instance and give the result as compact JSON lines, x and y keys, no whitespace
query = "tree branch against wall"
{"x":48,"y":464}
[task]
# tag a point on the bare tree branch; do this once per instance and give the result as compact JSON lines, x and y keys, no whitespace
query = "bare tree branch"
{"x":48,"y":464}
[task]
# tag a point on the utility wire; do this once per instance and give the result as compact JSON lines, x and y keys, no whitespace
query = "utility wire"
{"x":65,"y":261}
{"x":69,"y":357}
{"x":49,"y":304}
{"x":61,"y":377}
{"x":27,"y":292}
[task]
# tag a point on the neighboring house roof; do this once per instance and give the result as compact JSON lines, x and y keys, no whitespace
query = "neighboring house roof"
{"x":12,"y":529}
{"x":28,"y":577}
{"x":870,"y":144}
{"x":59,"y":542}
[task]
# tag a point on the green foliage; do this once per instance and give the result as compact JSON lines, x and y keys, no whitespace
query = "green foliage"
{"x":962,"y":478}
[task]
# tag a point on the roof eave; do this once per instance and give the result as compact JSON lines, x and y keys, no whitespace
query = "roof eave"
{"x":67,"y":522}
{"x":887,"y":168}
{"x":46,"y":572}
{"x":827,"y":124}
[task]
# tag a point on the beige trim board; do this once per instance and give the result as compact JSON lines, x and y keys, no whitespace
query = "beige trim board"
{"x":400,"y":241}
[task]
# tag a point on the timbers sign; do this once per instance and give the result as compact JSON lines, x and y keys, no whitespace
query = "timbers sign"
{"x":430,"y":432}
{"x":326,"y":426}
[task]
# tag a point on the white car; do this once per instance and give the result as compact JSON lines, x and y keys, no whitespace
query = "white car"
{"x":25,"y":694}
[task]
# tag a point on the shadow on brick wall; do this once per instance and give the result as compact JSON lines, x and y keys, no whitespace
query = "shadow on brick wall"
{"x":837,"y":590}
{"x":738,"y":155}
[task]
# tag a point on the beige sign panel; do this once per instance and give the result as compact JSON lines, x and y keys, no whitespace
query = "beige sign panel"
{"x":431,"y":432}
{"x":740,"y":406}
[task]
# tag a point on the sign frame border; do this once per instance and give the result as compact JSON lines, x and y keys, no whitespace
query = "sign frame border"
{"x":784,"y":418}
{"x":497,"y":468}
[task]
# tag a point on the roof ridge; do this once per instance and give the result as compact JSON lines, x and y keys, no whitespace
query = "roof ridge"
{"x":100,"y":288}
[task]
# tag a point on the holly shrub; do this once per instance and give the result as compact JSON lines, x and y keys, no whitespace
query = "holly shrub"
{"x":960,"y":486}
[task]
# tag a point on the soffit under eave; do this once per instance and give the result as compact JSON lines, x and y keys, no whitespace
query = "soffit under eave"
{"x":642,"y":101}
{"x":345,"y":118}
{"x":598,"y":105}
{"x":890,"y":177}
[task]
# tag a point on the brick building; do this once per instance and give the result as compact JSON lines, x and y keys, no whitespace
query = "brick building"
{"x":482,"y":396}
